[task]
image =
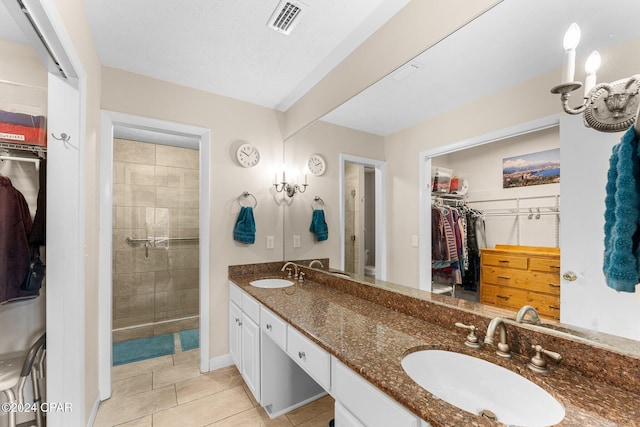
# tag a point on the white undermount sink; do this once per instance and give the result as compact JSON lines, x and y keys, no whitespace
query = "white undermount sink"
{"x":483,"y":388}
{"x":271,"y":283}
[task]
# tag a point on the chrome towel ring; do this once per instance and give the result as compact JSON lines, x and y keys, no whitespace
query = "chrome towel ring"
{"x":245,"y":198}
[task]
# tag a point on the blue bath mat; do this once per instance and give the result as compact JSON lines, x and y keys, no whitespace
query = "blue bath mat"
{"x":142,"y":349}
{"x":189,"y":339}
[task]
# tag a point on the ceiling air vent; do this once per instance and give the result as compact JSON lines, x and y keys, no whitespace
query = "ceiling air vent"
{"x":285,"y":17}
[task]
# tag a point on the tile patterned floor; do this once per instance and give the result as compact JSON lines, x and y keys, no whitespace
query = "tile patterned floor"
{"x":170,"y":391}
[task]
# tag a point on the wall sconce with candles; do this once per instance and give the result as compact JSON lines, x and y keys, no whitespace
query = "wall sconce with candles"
{"x":607,"y":107}
{"x":290,"y":188}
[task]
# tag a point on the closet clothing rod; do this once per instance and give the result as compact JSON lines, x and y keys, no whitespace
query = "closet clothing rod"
{"x":21,"y":159}
{"x":555,"y":196}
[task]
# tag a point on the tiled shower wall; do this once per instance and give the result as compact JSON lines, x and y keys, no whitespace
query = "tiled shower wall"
{"x":155,"y":195}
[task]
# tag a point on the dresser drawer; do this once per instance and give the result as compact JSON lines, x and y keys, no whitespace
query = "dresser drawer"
{"x":274,"y":327}
{"x":313,"y":359}
{"x":513,"y":298}
{"x":545,"y":264}
{"x":505,"y":260}
{"x":529,"y":280}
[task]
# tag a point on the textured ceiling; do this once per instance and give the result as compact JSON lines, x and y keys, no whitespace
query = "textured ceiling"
{"x":225,"y":46}
{"x":511,"y":43}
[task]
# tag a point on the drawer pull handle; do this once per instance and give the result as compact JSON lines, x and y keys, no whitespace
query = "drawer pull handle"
{"x":239,"y":323}
{"x":504,"y":277}
{"x":503,"y":297}
{"x":554,"y":307}
{"x":503,"y":260}
{"x":237,"y":320}
{"x":554,"y":285}
{"x":301,"y":355}
{"x":554,"y":266}
{"x":269,"y":326}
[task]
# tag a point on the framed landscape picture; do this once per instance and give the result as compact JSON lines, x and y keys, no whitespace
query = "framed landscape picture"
{"x":531,"y":169}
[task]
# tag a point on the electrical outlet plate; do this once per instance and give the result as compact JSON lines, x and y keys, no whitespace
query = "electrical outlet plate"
{"x":296,"y":241}
{"x":414,"y":241}
{"x":270,"y":242}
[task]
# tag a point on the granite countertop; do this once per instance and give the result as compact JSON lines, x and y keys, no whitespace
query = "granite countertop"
{"x":372,"y":340}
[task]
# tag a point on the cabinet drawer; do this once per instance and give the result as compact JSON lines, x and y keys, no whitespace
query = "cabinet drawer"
{"x":513,"y":298}
{"x":251,"y":307}
{"x":368,"y":404}
{"x":545,"y":264}
{"x":235,"y":294}
{"x":274,"y":327}
{"x":504,"y":260}
{"x":536,"y":281}
{"x":310,"y":357}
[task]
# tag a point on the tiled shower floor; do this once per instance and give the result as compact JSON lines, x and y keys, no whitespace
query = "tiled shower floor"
{"x":170,"y":391}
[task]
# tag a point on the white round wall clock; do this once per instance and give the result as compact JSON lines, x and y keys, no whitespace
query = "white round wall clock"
{"x":247,"y":155}
{"x":316,"y":164}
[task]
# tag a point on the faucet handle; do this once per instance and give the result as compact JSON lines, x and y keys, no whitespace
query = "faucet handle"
{"x":301,"y":276}
{"x":538,"y":362}
{"x":472,"y":339}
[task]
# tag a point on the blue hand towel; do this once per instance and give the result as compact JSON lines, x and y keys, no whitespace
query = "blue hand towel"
{"x":245,"y":229}
{"x":319,"y":225}
{"x":622,"y":215}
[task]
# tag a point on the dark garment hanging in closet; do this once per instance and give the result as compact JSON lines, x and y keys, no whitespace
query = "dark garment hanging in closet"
{"x":39,"y":229}
{"x":15,"y":227}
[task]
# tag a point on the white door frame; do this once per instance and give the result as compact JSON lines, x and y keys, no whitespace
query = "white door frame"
{"x":110,"y":120}
{"x":424,"y":187}
{"x":381,"y":215}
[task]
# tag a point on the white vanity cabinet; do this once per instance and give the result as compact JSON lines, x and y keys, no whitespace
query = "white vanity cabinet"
{"x":244,"y":337}
{"x":284,"y":370}
{"x":359,"y":403}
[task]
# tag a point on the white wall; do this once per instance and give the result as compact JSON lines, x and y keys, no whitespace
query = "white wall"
{"x":230,"y":121}
{"x":482,"y":168}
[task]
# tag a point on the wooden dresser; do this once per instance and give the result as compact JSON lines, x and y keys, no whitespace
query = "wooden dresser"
{"x":514,"y":276}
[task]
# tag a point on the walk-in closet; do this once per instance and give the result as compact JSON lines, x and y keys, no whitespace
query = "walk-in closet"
{"x":495,"y":213}
{"x":23,"y":184}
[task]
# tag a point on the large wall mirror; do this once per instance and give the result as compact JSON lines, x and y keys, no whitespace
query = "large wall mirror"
{"x":488,"y":82}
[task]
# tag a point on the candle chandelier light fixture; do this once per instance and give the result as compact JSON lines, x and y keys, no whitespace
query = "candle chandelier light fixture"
{"x":607,"y":107}
{"x":290,"y":188}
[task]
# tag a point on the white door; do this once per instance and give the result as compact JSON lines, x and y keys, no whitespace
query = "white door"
{"x":251,"y":355}
{"x":65,"y":265}
{"x":587,"y":301}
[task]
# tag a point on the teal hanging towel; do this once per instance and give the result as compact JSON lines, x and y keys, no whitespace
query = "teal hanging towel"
{"x":245,"y":228}
{"x":319,"y":225}
{"x":622,"y":216}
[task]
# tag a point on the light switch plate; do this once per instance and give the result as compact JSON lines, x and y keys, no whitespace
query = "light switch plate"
{"x":296,"y":241}
{"x":270,"y":242}
{"x":414,"y":241}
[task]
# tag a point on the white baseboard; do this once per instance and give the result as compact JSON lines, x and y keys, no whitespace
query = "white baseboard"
{"x":94,"y":411}
{"x":220,"y":362}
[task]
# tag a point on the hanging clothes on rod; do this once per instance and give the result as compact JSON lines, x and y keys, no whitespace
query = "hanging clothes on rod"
{"x":15,"y":252}
{"x":454,"y":245}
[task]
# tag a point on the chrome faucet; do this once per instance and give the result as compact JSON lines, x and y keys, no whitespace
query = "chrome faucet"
{"x":284,"y":267}
{"x":503,"y":348}
{"x":535,"y":319}
{"x":315,"y":261}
